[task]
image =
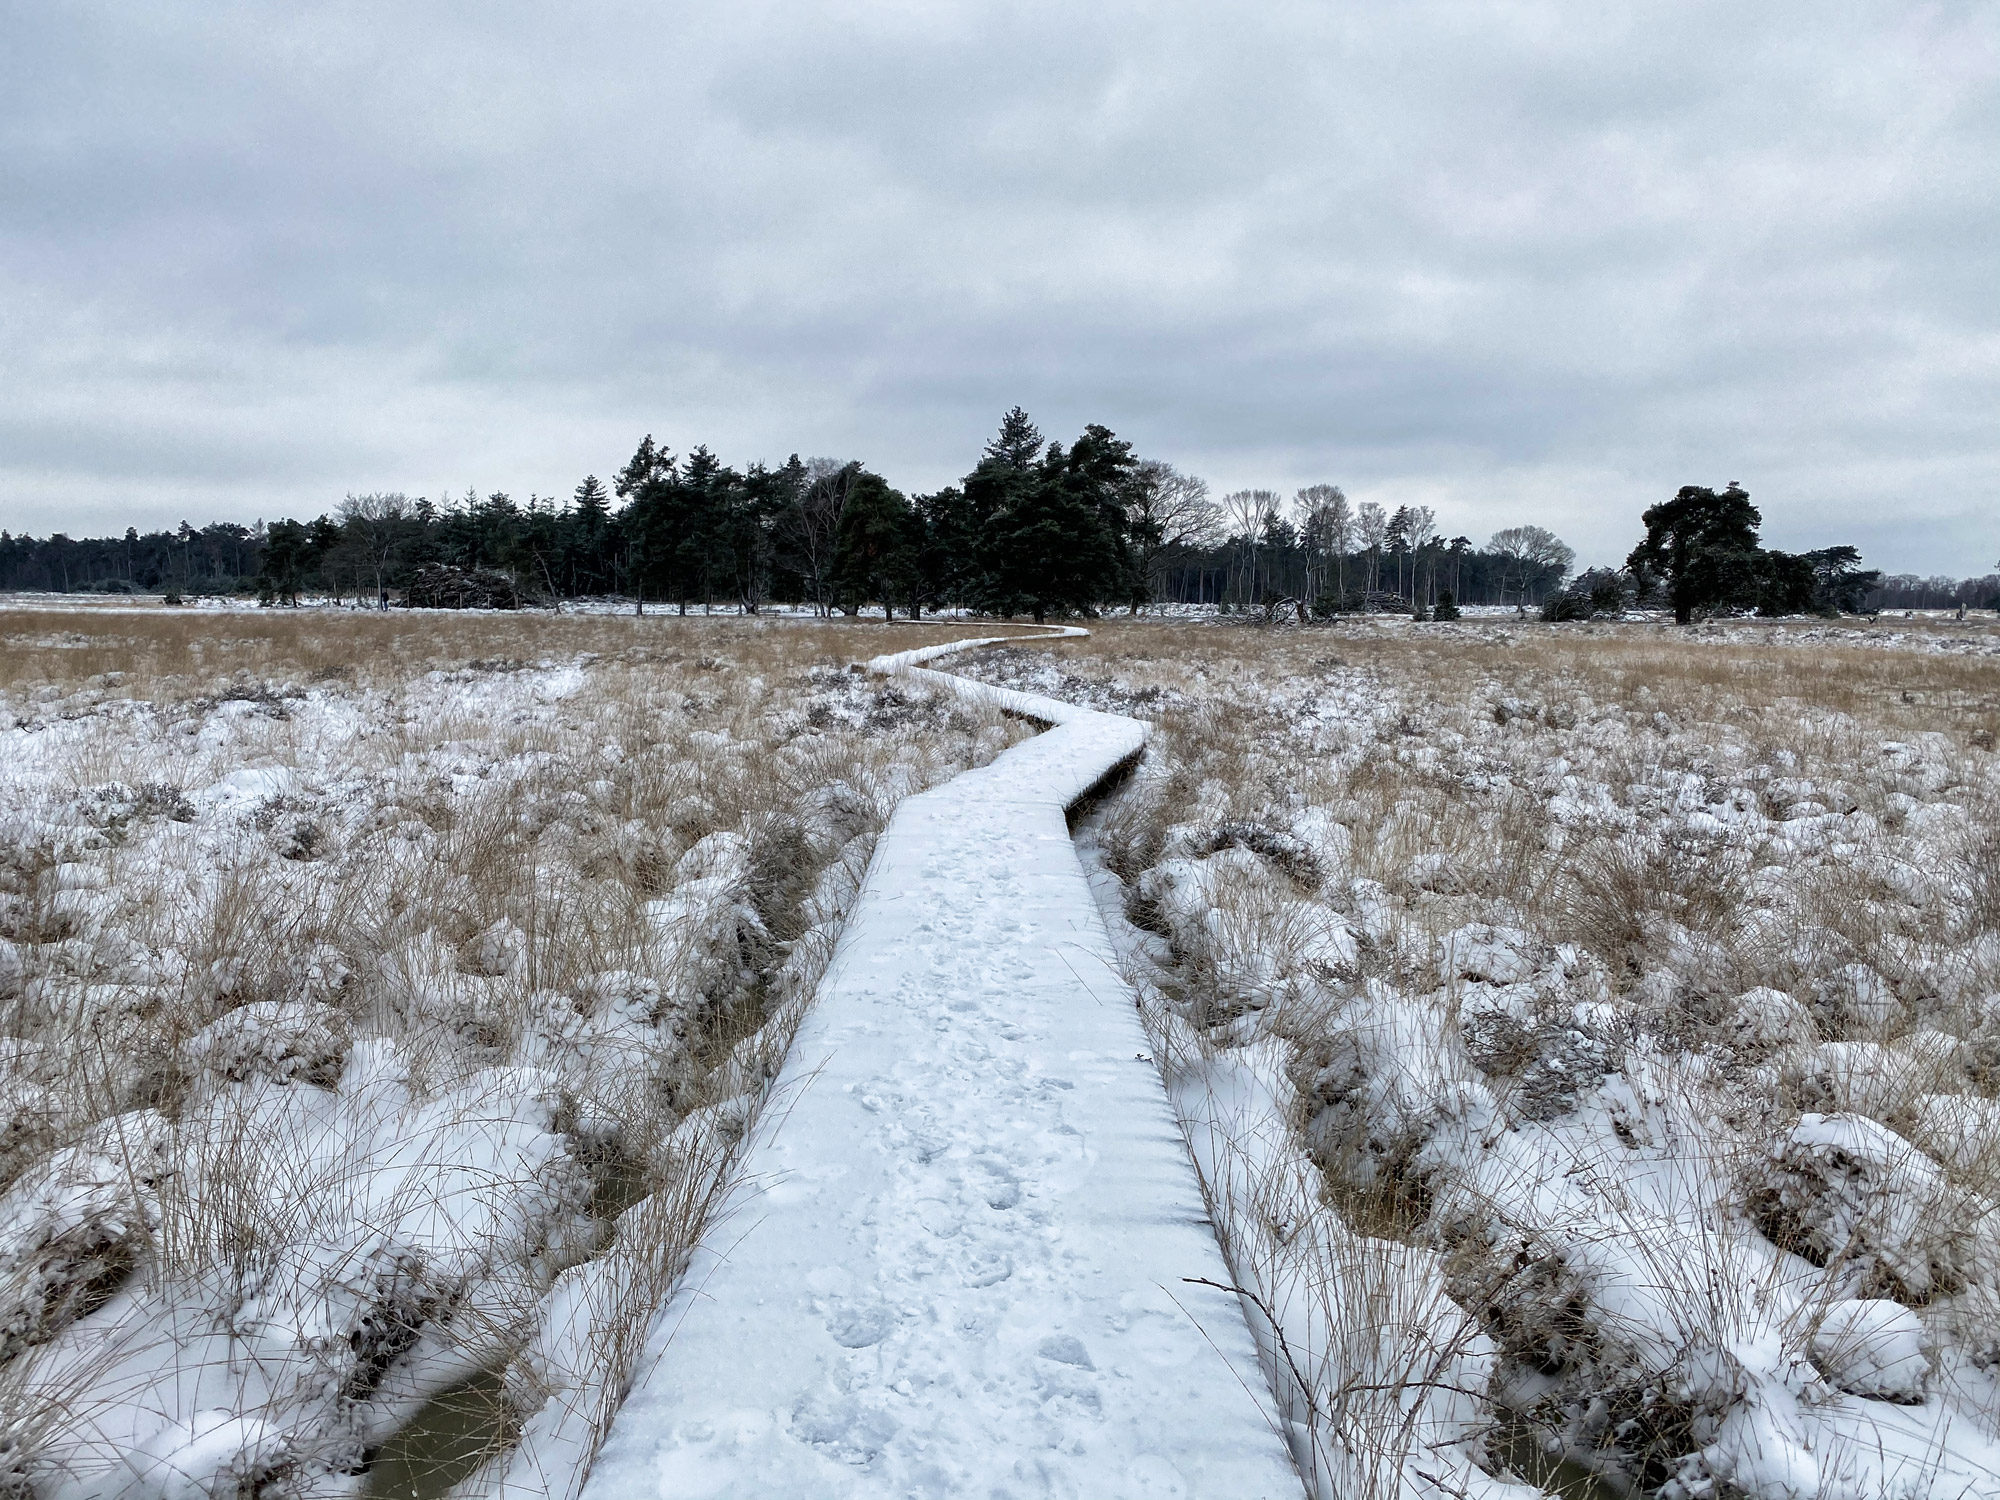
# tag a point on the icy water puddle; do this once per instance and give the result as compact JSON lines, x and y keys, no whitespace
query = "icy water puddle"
{"x":1520,"y":1445}
{"x":450,"y":1436}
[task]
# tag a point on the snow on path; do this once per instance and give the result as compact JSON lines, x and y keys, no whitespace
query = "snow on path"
{"x":958,"y":1262}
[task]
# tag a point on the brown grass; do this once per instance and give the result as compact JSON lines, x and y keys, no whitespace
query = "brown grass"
{"x":413,"y":827}
{"x":158,"y":650}
{"x":1443,"y":758}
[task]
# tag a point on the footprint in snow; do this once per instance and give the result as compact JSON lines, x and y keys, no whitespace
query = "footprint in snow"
{"x":1065,"y":1349}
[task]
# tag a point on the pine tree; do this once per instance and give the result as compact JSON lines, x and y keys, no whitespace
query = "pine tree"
{"x":1019,"y":443}
{"x":1704,"y":546}
{"x":1056,"y":539}
{"x":875,"y":552}
{"x":287,"y":549}
{"x":647,"y":465}
{"x":587,"y":538}
{"x":948,"y":561}
{"x":713,"y":495}
{"x":593,"y":505}
{"x":661,"y":526}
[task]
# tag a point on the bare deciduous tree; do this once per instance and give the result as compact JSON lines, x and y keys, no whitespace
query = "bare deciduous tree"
{"x":1371,"y":529}
{"x":1531,"y":553}
{"x":1420,"y":525}
{"x":376,"y":525}
{"x":811,"y":524}
{"x":1326,"y":529}
{"x":1248,"y":513}
{"x":1168,"y":512}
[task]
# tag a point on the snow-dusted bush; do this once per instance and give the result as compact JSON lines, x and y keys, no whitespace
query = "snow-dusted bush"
{"x":1638,"y":988}
{"x":380,"y":1004}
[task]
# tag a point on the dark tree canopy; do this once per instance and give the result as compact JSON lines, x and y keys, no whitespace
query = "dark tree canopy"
{"x":1840,"y":583}
{"x":876,"y":550}
{"x":1036,"y":527}
{"x":1053,"y":535}
{"x":1702,"y":546}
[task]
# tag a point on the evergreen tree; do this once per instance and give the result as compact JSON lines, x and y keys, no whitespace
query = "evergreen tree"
{"x":712,"y":495}
{"x":1056,"y":538}
{"x":657,"y":526}
{"x":1785,"y":584}
{"x":1703,"y":546}
{"x":948,"y":561}
{"x":647,"y":465}
{"x":876,"y":550}
{"x":287,"y":555}
{"x":1840,"y":583}
{"x":1107,"y":473}
{"x":1003,"y":484}
{"x":750,"y":511}
{"x":588,"y":539}
{"x":592,"y":503}
{"x":1019,"y":443}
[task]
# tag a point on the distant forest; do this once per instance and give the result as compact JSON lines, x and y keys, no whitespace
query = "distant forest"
{"x":1034,"y":528}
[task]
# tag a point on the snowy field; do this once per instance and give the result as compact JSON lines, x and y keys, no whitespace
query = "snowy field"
{"x":1589,"y":1037}
{"x":381,"y":999}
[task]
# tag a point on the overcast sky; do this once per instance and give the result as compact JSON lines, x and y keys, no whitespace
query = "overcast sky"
{"x":1527,"y":262}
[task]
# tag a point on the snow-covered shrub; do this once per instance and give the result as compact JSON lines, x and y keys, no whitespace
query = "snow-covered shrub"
{"x":1850,"y":1194}
{"x":73,"y":1226}
{"x":366,"y":991}
{"x":1377,"y":1084}
{"x":1872,"y":1348}
{"x":1627,"y":917}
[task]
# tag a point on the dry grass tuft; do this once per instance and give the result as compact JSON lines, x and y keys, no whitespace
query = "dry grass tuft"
{"x":387,"y":995}
{"x":1564,"y":933}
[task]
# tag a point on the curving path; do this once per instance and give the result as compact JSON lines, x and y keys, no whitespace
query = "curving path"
{"x":956,"y":1264}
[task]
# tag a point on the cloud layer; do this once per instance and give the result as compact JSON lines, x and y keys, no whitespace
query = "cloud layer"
{"x":1520,"y":262}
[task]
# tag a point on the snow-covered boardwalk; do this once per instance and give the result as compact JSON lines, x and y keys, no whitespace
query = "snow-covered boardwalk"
{"x":960,"y":1262}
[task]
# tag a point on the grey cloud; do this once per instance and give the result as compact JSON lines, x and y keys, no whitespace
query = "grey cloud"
{"x":1539,"y":262}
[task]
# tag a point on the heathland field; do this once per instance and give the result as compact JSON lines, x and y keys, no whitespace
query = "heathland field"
{"x":1588,"y":1036}
{"x":358,"y":974}
{"x":1596,"y":1028}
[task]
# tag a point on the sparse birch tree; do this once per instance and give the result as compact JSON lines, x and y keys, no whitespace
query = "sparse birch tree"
{"x":1371,"y":526}
{"x":809,"y":526}
{"x":1326,"y":528}
{"x":376,"y":526}
{"x":1249,"y":512}
{"x":1420,"y":527}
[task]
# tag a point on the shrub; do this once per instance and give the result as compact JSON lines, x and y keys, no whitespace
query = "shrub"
{"x":1600,"y":591}
{"x":1565,"y":607}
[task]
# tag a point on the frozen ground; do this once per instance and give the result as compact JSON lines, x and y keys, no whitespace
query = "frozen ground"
{"x":1588,"y":1037}
{"x":381,"y":1000}
{"x":969,"y":1255}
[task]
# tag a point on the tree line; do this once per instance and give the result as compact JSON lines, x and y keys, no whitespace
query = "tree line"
{"x":1036,"y":527}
